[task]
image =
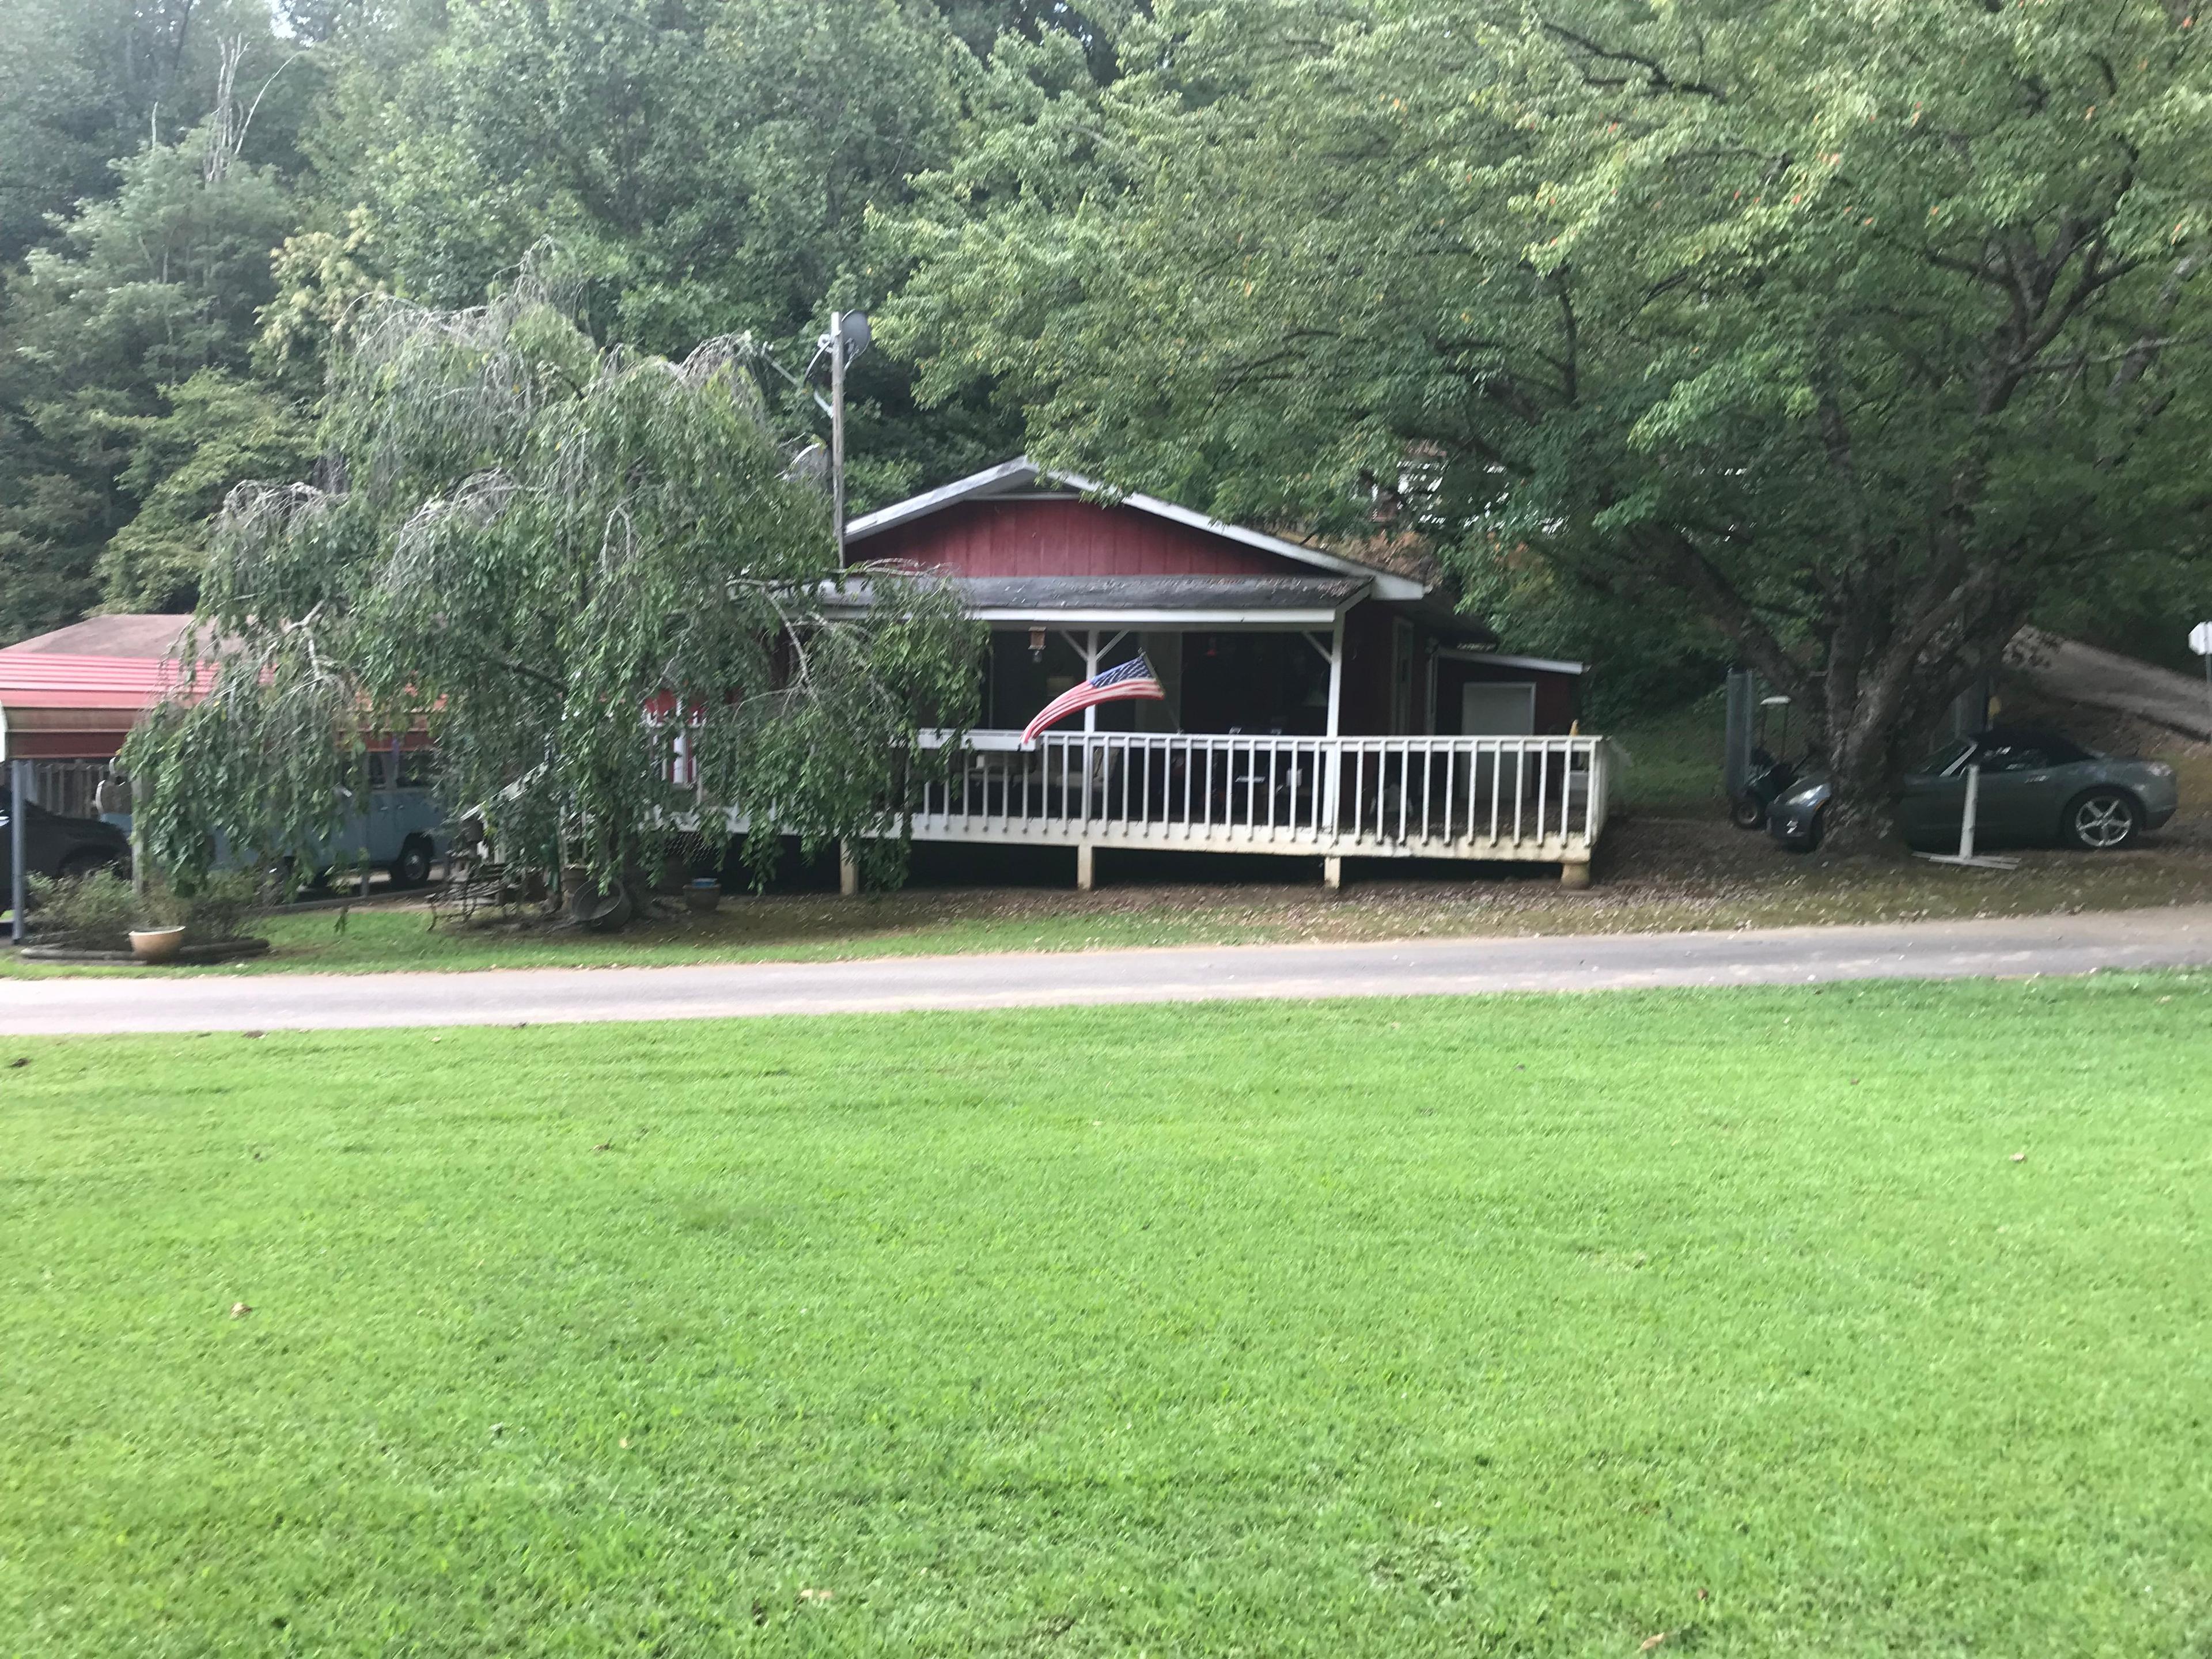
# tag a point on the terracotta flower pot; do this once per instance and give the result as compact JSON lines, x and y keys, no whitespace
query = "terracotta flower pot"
{"x":156,"y":944}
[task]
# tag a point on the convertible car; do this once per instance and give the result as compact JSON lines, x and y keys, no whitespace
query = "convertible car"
{"x":2036,"y":786}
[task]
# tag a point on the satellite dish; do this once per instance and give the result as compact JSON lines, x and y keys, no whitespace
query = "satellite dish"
{"x":852,"y":325}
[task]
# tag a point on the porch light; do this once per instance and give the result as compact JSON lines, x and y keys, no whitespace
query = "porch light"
{"x":1036,"y":645}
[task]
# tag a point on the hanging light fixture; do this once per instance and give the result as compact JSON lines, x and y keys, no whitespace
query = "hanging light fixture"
{"x":1036,"y":645}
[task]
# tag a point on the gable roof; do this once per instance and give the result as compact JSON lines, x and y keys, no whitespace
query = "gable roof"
{"x":1022,"y":476}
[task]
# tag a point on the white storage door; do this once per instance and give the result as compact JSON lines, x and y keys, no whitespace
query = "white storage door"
{"x":1497,"y":710}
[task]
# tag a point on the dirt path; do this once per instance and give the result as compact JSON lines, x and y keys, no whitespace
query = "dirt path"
{"x":2014,"y":946}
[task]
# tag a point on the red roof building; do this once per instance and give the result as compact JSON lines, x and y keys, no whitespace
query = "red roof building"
{"x":1247,"y":632}
{"x":76,"y":693}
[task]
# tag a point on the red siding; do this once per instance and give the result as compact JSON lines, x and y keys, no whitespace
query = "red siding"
{"x":1068,"y":538}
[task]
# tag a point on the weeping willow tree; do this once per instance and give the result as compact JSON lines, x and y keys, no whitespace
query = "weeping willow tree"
{"x":587,"y":575}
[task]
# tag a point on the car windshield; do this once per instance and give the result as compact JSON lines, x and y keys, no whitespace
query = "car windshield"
{"x":1946,"y":758}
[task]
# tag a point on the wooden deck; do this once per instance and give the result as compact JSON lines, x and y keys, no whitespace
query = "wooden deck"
{"x":1523,"y":799}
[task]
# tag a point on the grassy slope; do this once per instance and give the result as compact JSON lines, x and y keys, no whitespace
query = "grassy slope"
{"x":1674,"y":757}
{"x":1526,"y":1325}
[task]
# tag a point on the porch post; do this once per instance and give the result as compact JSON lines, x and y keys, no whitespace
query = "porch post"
{"x":1085,"y":866}
{"x":849,"y":870}
{"x":1331,"y":867}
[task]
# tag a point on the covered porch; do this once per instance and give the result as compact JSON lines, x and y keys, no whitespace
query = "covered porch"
{"x":1317,"y":701}
{"x":1299,"y":719}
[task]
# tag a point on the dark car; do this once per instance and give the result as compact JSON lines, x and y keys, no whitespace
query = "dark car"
{"x":2036,"y":787}
{"x":58,"y":845}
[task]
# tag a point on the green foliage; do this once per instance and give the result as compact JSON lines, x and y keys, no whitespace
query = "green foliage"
{"x":98,"y":911}
{"x":217,"y":430}
{"x":560,"y":561}
{"x":149,"y":154}
{"x":1845,"y":333}
{"x":84,"y":82}
{"x":1536,"y":1326}
{"x":707,"y":168}
{"x":123,"y":350}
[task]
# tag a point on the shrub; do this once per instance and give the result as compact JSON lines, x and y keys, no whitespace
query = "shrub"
{"x":97,"y":912}
{"x":219,"y":907}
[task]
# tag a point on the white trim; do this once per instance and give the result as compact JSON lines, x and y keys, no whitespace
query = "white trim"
{"x":1013,"y":478}
{"x":1197,"y":622}
{"x":1007,"y":477}
{"x":1496,"y":659}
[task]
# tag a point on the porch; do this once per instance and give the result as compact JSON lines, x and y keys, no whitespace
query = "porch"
{"x":1527,"y":800}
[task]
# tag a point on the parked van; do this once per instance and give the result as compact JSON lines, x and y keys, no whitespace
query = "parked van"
{"x":402,"y":826}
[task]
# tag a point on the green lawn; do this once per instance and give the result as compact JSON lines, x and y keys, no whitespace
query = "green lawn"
{"x":1518,"y":1325}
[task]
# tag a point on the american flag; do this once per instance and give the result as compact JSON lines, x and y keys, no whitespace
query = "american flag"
{"x":1134,"y":678}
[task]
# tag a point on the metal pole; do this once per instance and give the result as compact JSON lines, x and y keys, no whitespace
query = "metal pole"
{"x":838,"y":428}
{"x":19,"y":895}
{"x":1966,"y":823}
{"x":2208,"y":682}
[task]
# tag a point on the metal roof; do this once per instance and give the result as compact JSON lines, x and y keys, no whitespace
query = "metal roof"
{"x":122,"y":663}
{"x":1022,"y":475}
{"x":154,"y":635}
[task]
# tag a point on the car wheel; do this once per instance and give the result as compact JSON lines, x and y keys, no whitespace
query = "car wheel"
{"x":412,"y":867}
{"x":2101,"y":820}
{"x":1746,"y":812}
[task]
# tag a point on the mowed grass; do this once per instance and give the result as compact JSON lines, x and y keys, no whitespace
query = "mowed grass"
{"x":1514,"y":1326}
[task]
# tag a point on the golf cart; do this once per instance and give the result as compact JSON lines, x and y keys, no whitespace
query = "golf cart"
{"x":1770,"y":770}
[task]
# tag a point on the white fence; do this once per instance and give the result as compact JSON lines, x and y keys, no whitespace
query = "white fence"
{"x":1542,"y":799}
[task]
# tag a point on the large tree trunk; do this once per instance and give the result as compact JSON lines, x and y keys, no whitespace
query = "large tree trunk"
{"x":1860,"y":820}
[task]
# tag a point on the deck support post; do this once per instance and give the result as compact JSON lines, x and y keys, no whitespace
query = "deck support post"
{"x":1575,"y":875}
{"x":1086,"y":867}
{"x":1332,"y":874}
{"x":849,"y":870}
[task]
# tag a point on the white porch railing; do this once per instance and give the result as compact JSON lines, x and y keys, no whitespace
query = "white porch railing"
{"x":1542,"y":799}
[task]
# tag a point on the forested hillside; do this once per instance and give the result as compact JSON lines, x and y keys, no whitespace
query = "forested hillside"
{"x":1838,"y":340}
{"x":195,"y":191}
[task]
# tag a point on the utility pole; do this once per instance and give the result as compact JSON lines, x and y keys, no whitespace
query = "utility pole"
{"x":838,"y":428}
{"x":847,"y":339}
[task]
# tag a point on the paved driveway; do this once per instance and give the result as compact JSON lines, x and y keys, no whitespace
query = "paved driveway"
{"x":2177,"y":937}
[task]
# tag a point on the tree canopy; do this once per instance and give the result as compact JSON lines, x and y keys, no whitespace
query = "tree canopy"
{"x":1850,"y":331}
{"x":1838,"y":340}
{"x":587,"y":576}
